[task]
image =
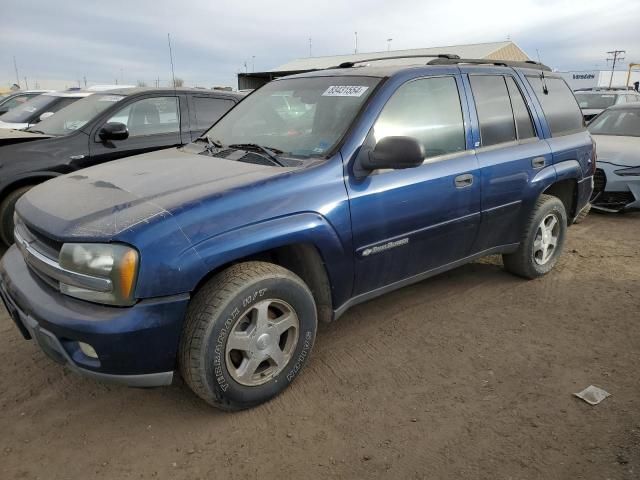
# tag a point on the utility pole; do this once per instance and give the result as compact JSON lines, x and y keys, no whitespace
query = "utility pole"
{"x":173,"y":75}
{"x":356,"y":35}
{"x":15,"y":66}
{"x":26,"y":85}
{"x":253,"y":63}
{"x":310,"y":47}
{"x":617,"y":55}
{"x":85,"y":81}
{"x":389,"y":40}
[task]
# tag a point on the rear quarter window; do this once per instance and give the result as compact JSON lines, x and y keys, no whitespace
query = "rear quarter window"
{"x":560,"y":108}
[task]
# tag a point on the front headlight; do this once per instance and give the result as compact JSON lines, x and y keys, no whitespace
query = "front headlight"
{"x":117,"y":264}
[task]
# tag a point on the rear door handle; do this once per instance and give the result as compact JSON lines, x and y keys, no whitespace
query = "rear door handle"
{"x":538,"y":162}
{"x":464,"y":180}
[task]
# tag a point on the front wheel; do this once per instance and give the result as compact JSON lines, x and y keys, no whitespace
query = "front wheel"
{"x":247,"y":335}
{"x":7,"y":206}
{"x":542,"y":241}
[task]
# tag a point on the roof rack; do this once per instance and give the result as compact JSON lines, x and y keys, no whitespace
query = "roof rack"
{"x":482,"y":61}
{"x":448,"y":56}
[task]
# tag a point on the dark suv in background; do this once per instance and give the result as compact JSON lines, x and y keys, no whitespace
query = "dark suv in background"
{"x":219,"y":258}
{"x":102,"y":127}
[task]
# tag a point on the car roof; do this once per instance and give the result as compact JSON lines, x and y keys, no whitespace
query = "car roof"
{"x":202,"y":91}
{"x":625,"y":106}
{"x":384,"y":69}
{"x":69,"y":94}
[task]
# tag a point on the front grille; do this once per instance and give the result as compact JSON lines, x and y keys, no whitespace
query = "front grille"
{"x":614,"y":200}
{"x":599,"y":181}
{"x":43,"y":245}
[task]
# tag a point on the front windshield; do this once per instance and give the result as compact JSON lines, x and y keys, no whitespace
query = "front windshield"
{"x":623,"y":122}
{"x":301,"y":117}
{"x":76,"y":115}
{"x":24,"y":112}
{"x":598,"y":101}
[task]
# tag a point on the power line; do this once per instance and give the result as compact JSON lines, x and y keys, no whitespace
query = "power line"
{"x":616,"y":54}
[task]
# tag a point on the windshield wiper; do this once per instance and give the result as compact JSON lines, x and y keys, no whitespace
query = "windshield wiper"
{"x":272,"y":153}
{"x":211,"y":144}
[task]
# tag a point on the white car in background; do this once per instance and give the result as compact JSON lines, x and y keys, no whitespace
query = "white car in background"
{"x":616,"y":132}
{"x":43,"y":106}
{"x":594,"y":100}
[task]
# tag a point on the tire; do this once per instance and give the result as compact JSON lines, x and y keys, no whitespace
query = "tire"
{"x":534,"y":256}
{"x":6,"y":214}
{"x":230,"y":311}
{"x":583,"y":214}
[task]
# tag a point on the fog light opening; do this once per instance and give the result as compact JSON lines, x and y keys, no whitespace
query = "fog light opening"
{"x":88,"y":350}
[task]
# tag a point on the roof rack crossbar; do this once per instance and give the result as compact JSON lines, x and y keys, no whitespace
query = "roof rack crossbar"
{"x":449,"y":56}
{"x":483,"y":61}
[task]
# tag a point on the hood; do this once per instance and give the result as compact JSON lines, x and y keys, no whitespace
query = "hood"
{"x":102,"y":201}
{"x":13,"y":126}
{"x":618,"y":150}
{"x":8,"y":137}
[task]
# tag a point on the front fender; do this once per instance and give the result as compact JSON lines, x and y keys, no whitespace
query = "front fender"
{"x":6,"y":185}
{"x":300,"y":228}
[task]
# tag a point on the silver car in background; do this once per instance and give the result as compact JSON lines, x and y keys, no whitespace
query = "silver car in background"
{"x":595,"y":100}
{"x":616,"y":132}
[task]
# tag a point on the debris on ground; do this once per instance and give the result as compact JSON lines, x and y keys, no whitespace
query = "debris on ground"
{"x":592,"y":395}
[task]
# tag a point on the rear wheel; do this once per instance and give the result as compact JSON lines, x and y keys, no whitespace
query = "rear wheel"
{"x":542,"y":241}
{"x":6,"y":214}
{"x":248,"y":333}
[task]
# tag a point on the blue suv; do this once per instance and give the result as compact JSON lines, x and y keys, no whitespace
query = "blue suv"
{"x":315,"y":193}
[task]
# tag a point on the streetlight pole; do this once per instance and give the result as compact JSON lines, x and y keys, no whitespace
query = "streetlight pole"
{"x":356,"y":35}
{"x":389,"y":40}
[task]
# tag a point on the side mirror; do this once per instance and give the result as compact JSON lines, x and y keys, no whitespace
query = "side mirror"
{"x":395,"y":153}
{"x":45,"y":115}
{"x":113,"y":131}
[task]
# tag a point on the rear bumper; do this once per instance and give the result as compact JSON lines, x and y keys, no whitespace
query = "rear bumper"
{"x":136,"y":346}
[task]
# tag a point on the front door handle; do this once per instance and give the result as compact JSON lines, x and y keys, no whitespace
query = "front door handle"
{"x":464,"y":180}
{"x":538,"y":162}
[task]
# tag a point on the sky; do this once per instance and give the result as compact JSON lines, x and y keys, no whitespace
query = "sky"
{"x":59,"y":43}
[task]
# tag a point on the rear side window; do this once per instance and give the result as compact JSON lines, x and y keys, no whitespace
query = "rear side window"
{"x":524,"y":126}
{"x":494,"y":109}
{"x":208,"y":110}
{"x":427,"y":110}
{"x":558,"y":104}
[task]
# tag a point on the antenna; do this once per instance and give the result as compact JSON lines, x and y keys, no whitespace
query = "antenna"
{"x":173,"y":75}
{"x":545,"y":90}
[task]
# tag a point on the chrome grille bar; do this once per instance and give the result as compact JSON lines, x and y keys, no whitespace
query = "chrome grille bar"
{"x":51,"y":268}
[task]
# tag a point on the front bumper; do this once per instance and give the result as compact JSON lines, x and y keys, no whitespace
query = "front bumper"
{"x":136,"y":346}
{"x":615,"y":193}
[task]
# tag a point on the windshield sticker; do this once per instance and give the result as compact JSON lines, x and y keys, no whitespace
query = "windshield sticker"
{"x":345,"y":91}
{"x":110,"y":98}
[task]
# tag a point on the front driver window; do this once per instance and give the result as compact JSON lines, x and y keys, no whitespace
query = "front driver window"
{"x":150,"y":116}
{"x":427,"y":110}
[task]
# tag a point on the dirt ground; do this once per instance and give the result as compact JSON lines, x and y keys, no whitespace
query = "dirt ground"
{"x":468,"y":375}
